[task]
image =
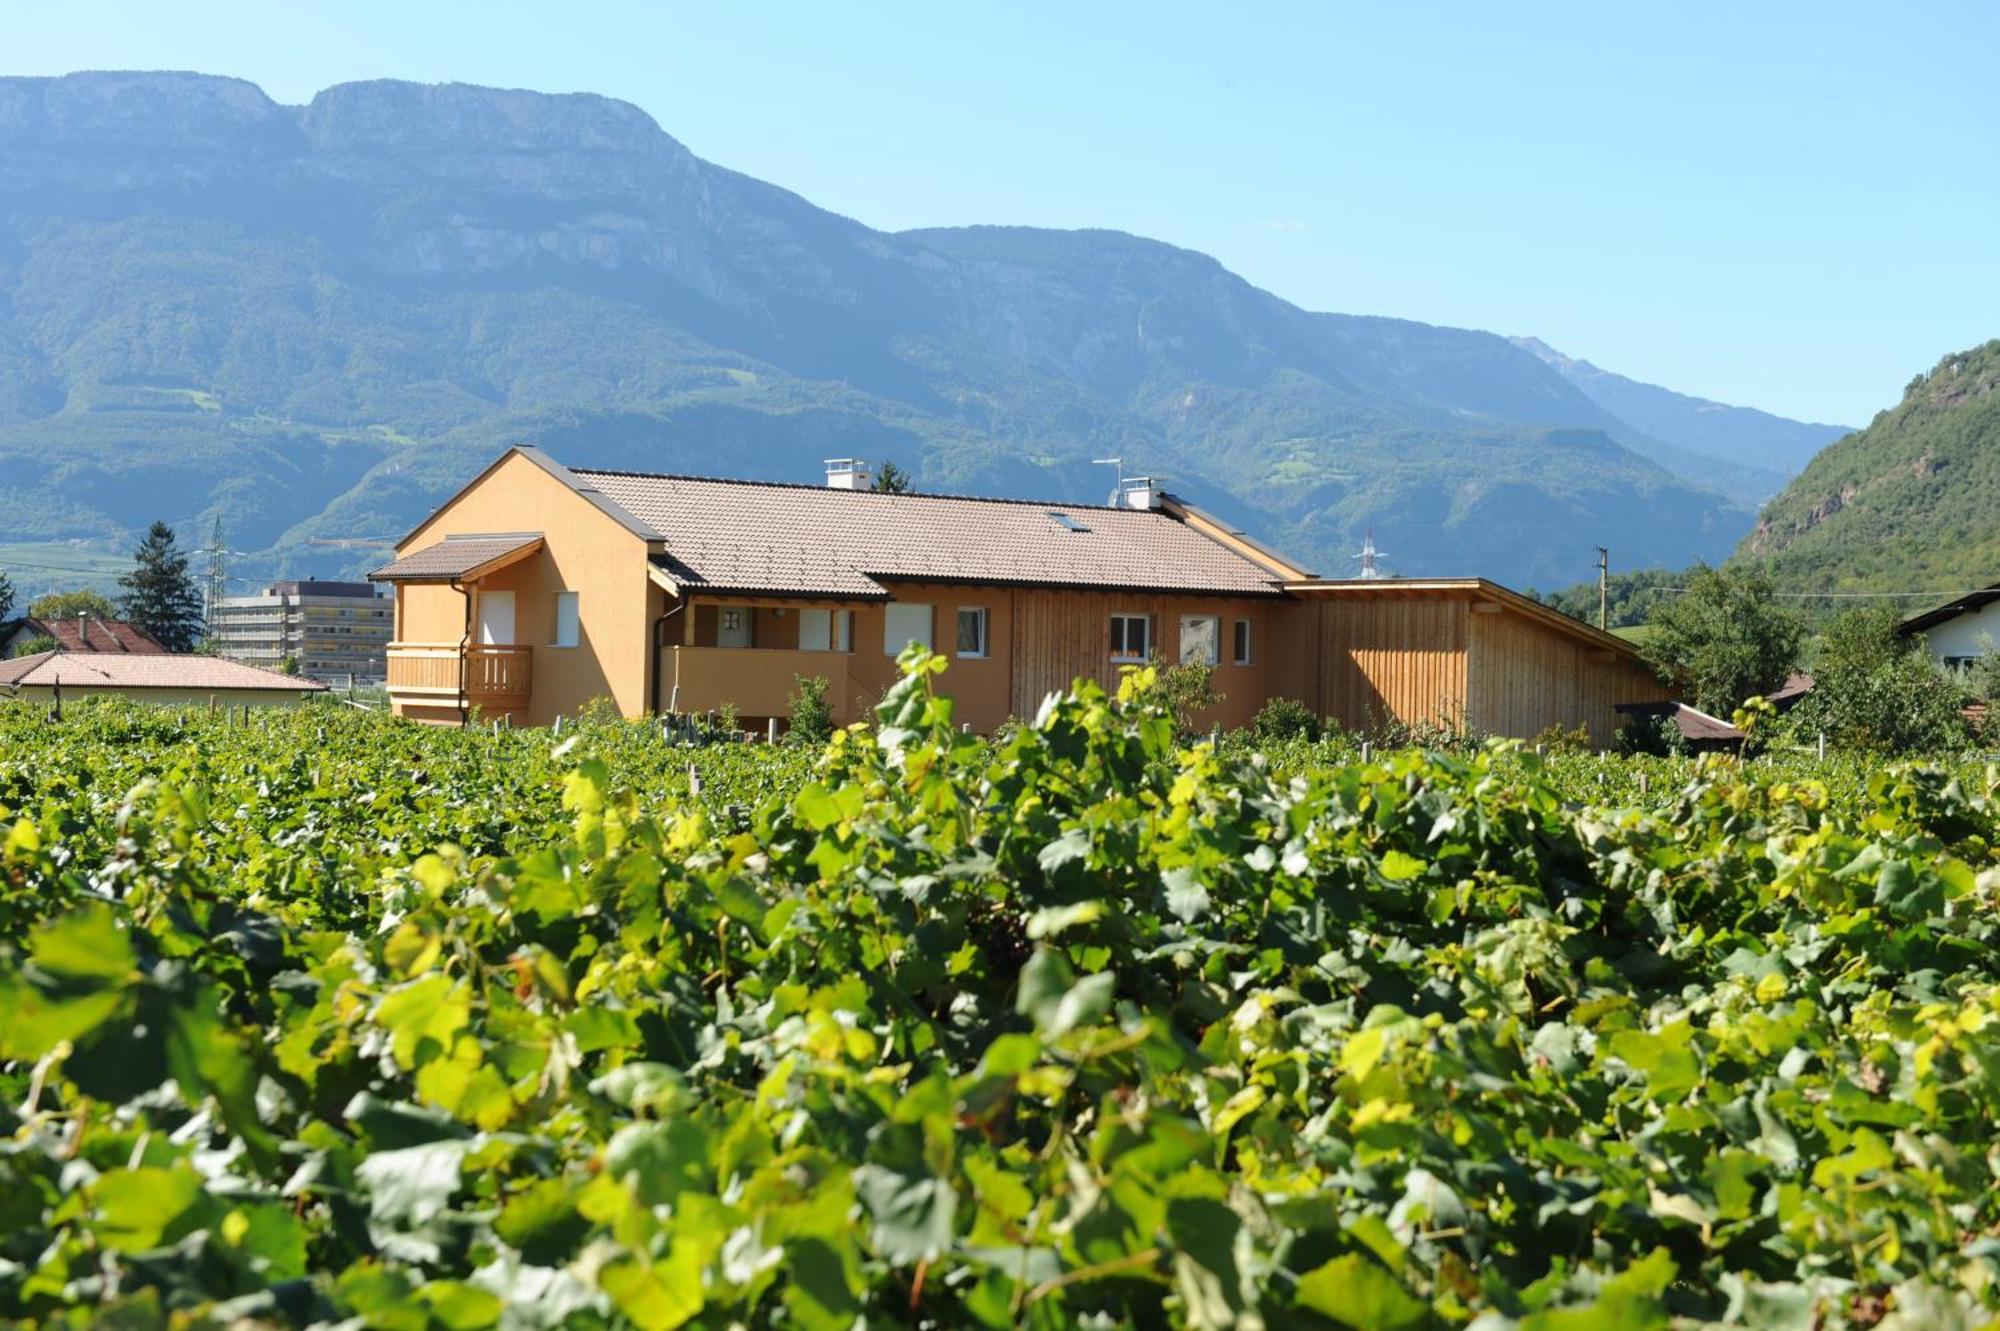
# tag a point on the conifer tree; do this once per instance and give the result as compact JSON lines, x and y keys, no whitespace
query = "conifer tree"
{"x":6,"y":594}
{"x":160,"y":594}
{"x":892,"y":479}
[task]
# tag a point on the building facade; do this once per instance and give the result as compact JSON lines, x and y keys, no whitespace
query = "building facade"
{"x":336,"y":631}
{"x":538,"y":589}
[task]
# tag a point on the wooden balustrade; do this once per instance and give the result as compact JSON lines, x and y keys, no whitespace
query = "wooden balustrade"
{"x":490,"y":675}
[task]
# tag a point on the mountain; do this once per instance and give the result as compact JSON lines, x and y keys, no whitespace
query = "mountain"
{"x":1906,"y":504}
{"x":315,"y":322}
{"x":1692,"y":436}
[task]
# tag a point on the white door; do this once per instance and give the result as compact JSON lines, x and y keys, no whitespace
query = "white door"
{"x":815,"y":630}
{"x":732,"y":627}
{"x":496,"y":619}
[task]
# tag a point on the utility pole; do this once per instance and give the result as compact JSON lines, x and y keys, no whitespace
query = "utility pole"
{"x":1603,"y":588}
{"x":218,"y":582}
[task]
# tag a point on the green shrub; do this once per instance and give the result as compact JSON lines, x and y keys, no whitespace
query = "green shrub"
{"x":1283,"y":719}
{"x":811,"y":713}
{"x":35,"y":646}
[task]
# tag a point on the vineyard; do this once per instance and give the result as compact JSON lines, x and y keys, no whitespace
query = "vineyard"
{"x":318,"y":1019}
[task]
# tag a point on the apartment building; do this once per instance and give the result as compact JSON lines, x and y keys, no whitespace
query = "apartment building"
{"x":334,"y":630}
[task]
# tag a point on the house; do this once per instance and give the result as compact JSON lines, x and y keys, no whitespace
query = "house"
{"x":167,"y":678}
{"x":79,"y":634}
{"x":538,"y":588}
{"x":335,"y":631}
{"x":1959,"y":632}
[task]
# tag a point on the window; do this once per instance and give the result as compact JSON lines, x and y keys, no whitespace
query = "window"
{"x":1068,"y":522}
{"x":1201,"y":640}
{"x":1131,"y":639}
{"x":568,"y":629}
{"x":1241,"y":654}
{"x":826,"y":631}
{"x":972,"y":631}
{"x":904,"y":623}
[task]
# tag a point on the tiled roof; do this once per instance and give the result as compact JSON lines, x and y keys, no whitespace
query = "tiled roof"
{"x":456,"y":556}
{"x":85,"y":634}
{"x":1694,"y":724}
{"x":119,"y":670}
{"x":819,"y":541}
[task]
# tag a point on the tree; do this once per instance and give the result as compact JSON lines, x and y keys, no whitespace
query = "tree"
{"x":1724,"y":639}
{"x":68,"y":605}
{"x":1876,"y":690}
{"x":892,"y":480}
{"x":811,"y":713}
{"x":289,"y":666}
{"x":6,"y":594}
{"x":35,"y":646}
{"x":160,"y":594}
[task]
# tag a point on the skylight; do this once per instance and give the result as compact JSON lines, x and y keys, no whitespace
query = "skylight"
{"x":1067,"y":522}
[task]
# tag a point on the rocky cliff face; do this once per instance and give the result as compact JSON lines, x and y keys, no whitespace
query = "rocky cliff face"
{"x":396,"y":279}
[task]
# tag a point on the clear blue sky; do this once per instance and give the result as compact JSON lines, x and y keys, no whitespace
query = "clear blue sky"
{"x":1788,"y":205}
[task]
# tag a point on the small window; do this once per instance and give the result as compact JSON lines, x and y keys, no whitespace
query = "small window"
{"x":904,"y":623}
{"x":732,"y":620}
{"x":1201,"y":640}
{"x":972,"y":631}
{"x":1068,"y":522}
{"x":1241,"y":654}
{"x":568,"y":629}
{"x":1131,"y":638}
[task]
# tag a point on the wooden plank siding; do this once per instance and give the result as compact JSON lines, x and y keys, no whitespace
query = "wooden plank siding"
{"x":1524,"y":677}
{"x":1364,"y":662}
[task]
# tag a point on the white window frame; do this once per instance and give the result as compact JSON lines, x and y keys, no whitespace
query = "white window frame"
{"x":1242,"y":642}
{"x":1145,"y":623}
{"x":575,"y":604}
{"x":894,"y":638}
{"x":1214,"y":655}
{"x":985,"y":622}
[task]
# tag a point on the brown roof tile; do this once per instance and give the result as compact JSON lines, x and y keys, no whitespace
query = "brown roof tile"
{"x":455,"y":556}
{"x":753,"y":536}
{"x":119,"y":670}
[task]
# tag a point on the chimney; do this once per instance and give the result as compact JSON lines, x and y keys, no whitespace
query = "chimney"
{"x":849,"y":474}
{"x":1138,"y":492}
{"x":82,"y":631}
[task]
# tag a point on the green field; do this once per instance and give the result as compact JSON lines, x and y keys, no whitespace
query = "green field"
{"x":36,"y":567}
{"x":316,"y":1018}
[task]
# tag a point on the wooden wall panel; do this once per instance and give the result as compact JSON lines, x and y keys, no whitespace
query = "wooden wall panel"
{"x":1525,"y":677}
{"x":1367,"y":661}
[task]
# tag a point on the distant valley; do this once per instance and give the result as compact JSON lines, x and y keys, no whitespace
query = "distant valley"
{"x":315,"y":322}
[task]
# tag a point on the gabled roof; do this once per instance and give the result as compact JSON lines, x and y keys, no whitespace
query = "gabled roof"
{"x":460,"y":558}
{"x":812,"y":540}
{"x":117,"y":670}
{"x":85,"y":634}
{"x":1478,"y":589}
{"x":1964,"y":605}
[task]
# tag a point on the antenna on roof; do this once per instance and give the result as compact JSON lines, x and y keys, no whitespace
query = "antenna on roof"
{"x":1118,"y":487}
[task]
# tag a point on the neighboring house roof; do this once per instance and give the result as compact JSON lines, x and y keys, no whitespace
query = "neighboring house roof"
{"x":1787,"y":695}
{"x":117,"y":670}
{"x":85,"y":634}
{"x":1695,"y":725}
{"x":813,"y":540}
{"x":457,"y":558}
{"x":1964,"y":605}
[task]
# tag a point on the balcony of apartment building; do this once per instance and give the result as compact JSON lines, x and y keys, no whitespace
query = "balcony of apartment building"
{"x":751,"y":654}
{"x":457,"y":646}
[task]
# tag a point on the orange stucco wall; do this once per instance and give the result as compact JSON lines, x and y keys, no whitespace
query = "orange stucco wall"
{"x":584,"y":551}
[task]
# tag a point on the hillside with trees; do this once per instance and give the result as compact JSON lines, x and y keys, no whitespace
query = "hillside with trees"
{"x":1908,"y":503}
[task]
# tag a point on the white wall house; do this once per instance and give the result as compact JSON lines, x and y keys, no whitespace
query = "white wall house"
{"x":1961,"y":631}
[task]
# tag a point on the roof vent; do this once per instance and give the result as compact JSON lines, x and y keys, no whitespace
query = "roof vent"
{"x":849,"y":474}
{"x":1138,"y":492}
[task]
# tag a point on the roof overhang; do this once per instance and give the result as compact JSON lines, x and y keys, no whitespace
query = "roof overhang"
{"x":1486,"y":598}
{"x":1964,"y":605}
{"x":458,"y":559}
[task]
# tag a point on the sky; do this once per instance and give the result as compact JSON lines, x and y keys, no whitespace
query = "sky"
{"x":1783,"y":205}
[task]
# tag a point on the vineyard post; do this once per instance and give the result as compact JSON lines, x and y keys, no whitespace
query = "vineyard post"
{"x":770,"y":730}
{"x":1822,"y":746}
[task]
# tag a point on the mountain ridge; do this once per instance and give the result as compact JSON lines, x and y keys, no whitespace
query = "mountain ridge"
{"x":314,"y":321}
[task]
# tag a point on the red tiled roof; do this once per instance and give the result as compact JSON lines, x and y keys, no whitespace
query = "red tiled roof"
{"x":756,"y":536}
{"x":457,"y":556}
{"x":86,"y":634}
{"x":118,"y":670}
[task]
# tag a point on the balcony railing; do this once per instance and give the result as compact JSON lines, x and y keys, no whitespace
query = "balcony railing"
{"x":757,"y":681}
{"x":495,"y":677}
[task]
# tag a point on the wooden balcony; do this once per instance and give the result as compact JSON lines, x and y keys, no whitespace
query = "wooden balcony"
{"x":757,"y":681}
{"x":431,"y":674}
